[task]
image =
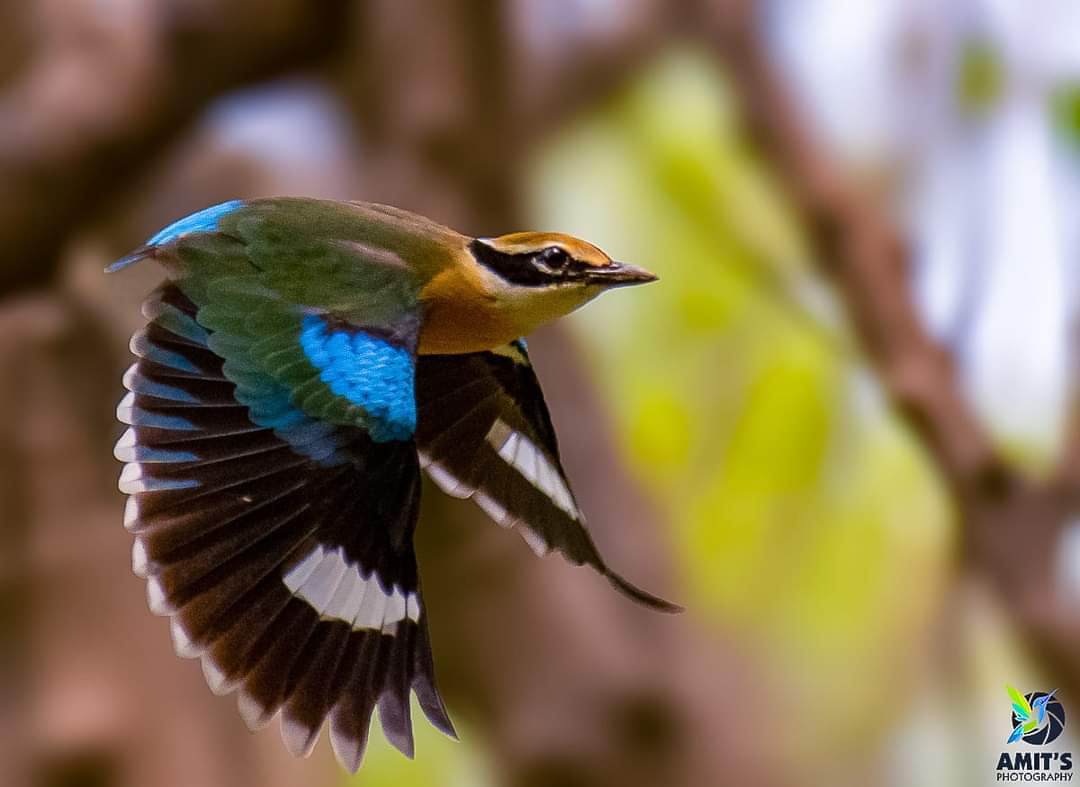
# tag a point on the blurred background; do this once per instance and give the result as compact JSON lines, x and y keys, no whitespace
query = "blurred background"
{"x":840,"y":430}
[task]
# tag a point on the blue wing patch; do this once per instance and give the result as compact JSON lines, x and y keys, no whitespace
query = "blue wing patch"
{"x":368,"y":371}
{"x":205,"y":220}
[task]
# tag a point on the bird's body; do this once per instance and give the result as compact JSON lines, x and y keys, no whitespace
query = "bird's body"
{"x":301,"y":365}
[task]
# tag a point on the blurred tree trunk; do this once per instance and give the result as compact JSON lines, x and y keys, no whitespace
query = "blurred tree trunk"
{"x":105,"y":93}
{"x":1011,"y":523}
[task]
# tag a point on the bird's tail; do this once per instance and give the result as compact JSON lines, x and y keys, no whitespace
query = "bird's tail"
{"x":279,"y":546}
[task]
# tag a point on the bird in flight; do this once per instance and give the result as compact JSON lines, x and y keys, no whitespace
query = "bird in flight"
{"x":301,"y":365}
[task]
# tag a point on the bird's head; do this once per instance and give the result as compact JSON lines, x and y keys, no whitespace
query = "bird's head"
{"x":548,"y":273}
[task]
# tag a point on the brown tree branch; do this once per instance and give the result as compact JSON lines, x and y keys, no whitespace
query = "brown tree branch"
{"x":1010,"y":524}
{"x":579,"y":68}
{"x":863,"y":254}
{"x":83,"y":120}
{"x":1067,"y":472}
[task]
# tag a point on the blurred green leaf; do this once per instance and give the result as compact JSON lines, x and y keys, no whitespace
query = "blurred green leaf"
{"x":980,"y":80}
{"x":1066,"y":112}
{"x":439,"y":760}
{"x":808,"y":519}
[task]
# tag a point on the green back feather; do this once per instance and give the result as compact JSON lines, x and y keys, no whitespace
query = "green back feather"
{"x":273,"y":262}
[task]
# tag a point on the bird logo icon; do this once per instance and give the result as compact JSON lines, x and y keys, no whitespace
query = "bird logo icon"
{"x":1037,"y":717}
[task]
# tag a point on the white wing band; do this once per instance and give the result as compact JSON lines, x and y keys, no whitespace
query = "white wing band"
{"x":521,"y":453}
{"x":338,"y":589}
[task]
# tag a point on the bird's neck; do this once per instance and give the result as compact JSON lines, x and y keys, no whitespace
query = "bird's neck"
{"x":468,"y":309}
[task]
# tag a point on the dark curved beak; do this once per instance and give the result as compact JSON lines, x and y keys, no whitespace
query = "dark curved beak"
{"x":620,"y":274}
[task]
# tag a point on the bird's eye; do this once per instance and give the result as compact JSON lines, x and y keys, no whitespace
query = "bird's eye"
{"x":554,"y":257}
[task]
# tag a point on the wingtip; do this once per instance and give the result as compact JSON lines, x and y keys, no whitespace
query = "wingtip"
{"x":254,"y":714}
{"x":300,"y":738}
{"x":396,"y":723}
{"x":643,"y":597}
{"x":435,"y":710}
{"x":348,"y":749}
{"x":139,"y":254}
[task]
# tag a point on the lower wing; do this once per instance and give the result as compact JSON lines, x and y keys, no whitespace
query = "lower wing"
{"x":484,"y":432}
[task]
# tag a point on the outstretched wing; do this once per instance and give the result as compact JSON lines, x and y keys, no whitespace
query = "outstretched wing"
{"x":274,"y":483}
{"x":484,"y":433}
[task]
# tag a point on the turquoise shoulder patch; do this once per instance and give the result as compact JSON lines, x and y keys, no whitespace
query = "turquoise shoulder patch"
{"x":205,"y":220}
{"x":370,"y":372}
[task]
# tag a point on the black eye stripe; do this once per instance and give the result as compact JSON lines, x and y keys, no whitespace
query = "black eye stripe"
{"x":522,"y":269}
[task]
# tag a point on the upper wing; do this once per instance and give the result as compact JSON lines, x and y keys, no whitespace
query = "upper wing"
{"x":274,"y":483}
{"x":484,"y":432}
{"x":290,"y":294}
